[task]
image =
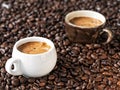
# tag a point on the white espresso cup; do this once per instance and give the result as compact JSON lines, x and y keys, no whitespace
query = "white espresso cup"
{"x":32,"y":65}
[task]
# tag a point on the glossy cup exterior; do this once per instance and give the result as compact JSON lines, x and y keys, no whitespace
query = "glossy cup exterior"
{"x":85,"y":34}
{"x":32,"y":65}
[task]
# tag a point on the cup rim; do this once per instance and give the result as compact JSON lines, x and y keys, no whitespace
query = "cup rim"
{"x":48,"y":41}
{"x":78,"y":11}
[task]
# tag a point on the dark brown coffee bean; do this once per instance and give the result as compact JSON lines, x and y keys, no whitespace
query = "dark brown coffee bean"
{"x":116,"y":56}
{"x":42,"y":84}
{"x":51,"y":77}
{"x":85,"y":77}
{"x":94,"y":56}
{"x":22,"y":87}
{"x":79,"y":66}
{"x":31,"y":80}
{"x":4,"y":44}
{"x":98,"y":78}
{"x":89,"y":85}
{"x":100,"y":87}
{"x":23,"y":80}
{"x":107,"y":73}
{"x":74,"y":52}
{"x":15,"y":82}
{"x":10,"y":26}
{"x":118,"y":63}
{"x":2,"y":51}
{"x":7,"y":87}
{"x":3,"y":70}
{"x":118,"y":83}
{"x":60,"y":84}
{"x":103,"y":56}
{"x":78,"y":88}
{"x":84,"y":85}
{"x":66,"y":42}
{"x":86,"y":71}
{"x":48,"y":87}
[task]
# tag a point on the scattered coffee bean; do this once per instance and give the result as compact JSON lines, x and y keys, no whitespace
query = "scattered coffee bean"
{"x":100,"y":87}
{"x":51,"y":77}
{"x":118,"y":83}
{"x":15,"y":82}
{"x":60,"y":84}
{"x":42,"y":84}
{"x":23,"y":80}
{"x":79,"y":66}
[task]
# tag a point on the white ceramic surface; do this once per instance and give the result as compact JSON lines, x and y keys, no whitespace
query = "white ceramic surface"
{"x":32,"y":65}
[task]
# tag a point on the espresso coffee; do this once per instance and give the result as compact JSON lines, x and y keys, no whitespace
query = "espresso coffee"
{"x":86,"y":22}
{"x":34,"y":47}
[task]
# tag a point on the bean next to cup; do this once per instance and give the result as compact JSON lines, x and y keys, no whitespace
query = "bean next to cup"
{"x":85,"y":26}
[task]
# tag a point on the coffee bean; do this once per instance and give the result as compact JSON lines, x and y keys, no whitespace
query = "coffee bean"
{"x":103,"y":56}
{"x":7,"y":87}
{"x":100,"y":87}
{"x":116,"y":56}
{"x":84,"y":85}
{"x":10,"y":26}
{"x":22,"y":87}
{"x":98,"y":78}
{"x":118,"y":63}
{"x":60,"y":84}
{"x":74,"y":52}
{"x":48,"y":87}
{"x":23,"y":80}
{"x":51,"y":77}
{"x":2,"y":51}
{"x":15,"y":82}
{"x":42,"y":84}
{"x":89,"y":85}
{"x":107,"y":73}
{"x":79,"y":66}
{"x":90,"y":46}
{"x":31,"y":80}
{"x":94,"y":56}
{"x":4,"y":44}
{"x":66,"y":42}
{"x":118,"y":83}
{"x":78,"y":88}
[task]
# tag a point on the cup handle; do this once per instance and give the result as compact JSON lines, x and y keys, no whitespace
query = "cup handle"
{"x":110,"y":35}
{"x":16,"y":64}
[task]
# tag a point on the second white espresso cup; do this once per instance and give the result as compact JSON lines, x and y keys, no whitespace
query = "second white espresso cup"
{"x":32,"y":65}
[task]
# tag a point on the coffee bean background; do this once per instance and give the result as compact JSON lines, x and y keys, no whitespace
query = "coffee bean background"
{"x":79,"y":66}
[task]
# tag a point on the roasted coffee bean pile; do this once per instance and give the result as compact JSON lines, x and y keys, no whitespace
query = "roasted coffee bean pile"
{"x":79,"y":66}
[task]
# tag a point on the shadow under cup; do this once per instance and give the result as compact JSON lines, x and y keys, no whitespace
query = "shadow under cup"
{"x":86,"y":34}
